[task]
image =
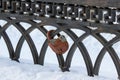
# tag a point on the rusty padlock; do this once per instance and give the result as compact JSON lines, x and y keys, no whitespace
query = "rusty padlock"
{"x":59,"y":45}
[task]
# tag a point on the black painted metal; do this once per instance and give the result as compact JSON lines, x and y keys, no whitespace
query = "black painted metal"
{"x":87,"y":15}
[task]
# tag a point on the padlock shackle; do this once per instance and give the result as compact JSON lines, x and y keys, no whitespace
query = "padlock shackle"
{"x":49,"y":36}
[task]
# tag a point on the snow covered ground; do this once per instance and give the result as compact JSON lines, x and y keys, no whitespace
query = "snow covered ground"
{"x":26,"y":70}
{"x":11,"y":70}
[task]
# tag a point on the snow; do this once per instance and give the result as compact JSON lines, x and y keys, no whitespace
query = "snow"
{"x":11,"y":70}
{"x":26,"y":70}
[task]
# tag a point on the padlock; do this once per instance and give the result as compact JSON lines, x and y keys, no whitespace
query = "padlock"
{"x":58,"y":45}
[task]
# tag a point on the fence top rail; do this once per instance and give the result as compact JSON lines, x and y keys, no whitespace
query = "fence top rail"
{"x":101,"y":3}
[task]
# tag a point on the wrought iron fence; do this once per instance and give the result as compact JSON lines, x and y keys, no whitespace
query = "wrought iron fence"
{"x":65,"y":15}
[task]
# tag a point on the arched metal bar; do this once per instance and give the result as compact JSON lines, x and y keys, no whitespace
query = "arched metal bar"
{"x":84,"y":52}
{"x":7,"y":40}
{"x":73,"y":37}
{"x":20,"y":43}
{"x":61,"y":62}
{"x":42,"y":29}
{"x":43,"y":52}
{"x":111,"y":51}
{"x":8,"y":43}
{"x":72,"y":50}
{"x":21,"y":40}
{"x":86,"y":58}
{"x":5,"y":27}
{"x":102,"y":53}
{"x":29,"y":40}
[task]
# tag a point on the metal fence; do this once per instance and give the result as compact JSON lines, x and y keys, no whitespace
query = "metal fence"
{"x":93,"y":20}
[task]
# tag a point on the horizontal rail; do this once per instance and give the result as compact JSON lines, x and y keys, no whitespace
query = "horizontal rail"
{"x":81,"y":13}
{"x":100,"y":3}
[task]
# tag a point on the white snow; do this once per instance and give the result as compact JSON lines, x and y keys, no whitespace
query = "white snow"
{"x":26,"y":70}
{"x":11,"y":70}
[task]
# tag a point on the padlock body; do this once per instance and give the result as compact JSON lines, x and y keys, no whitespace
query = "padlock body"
{"x":58,"y":46}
